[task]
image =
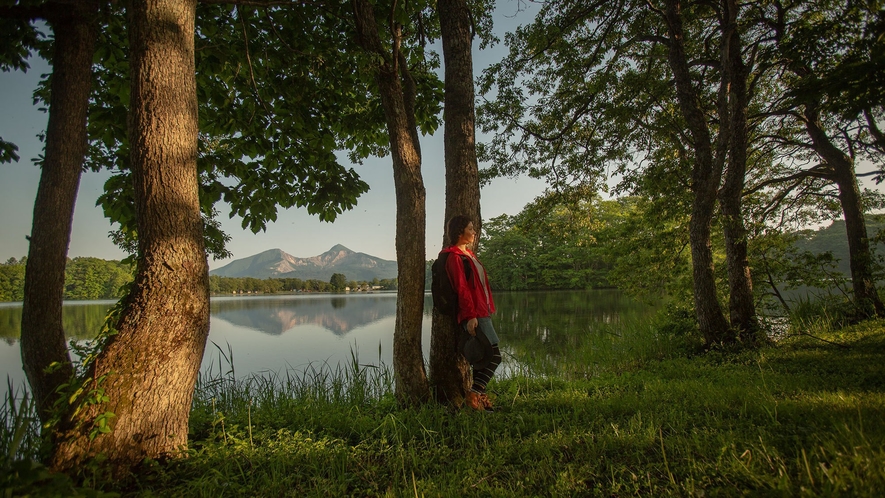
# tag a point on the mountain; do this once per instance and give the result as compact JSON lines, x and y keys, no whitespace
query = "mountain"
{"x":277,"y":264}
{"x":832,"y":238}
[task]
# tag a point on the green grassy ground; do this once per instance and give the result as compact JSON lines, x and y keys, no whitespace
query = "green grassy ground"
{"x":805,"y":417}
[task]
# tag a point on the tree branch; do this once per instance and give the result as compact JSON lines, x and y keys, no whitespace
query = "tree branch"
{"x":249,"y":61}
{"x":818,"y":171}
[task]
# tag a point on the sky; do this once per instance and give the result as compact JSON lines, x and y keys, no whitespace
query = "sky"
{"x":368,"y":228}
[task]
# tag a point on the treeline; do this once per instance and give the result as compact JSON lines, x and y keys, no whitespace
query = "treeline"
{"x":94,"y":278}
{"x":558,"y":242}
{"x":552,"y":246}
{"x":85,"y":278}
{"x":248,"y":285}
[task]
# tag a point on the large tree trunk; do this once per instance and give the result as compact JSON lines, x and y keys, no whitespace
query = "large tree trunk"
{"x":706,"y":173}
{"x":866,"y":296}
{"x":742,"y":308}
{"x":449,"y":371}
{"x":42,"y":335}
{"x":397,"y":91}
{"x":148,"y":369}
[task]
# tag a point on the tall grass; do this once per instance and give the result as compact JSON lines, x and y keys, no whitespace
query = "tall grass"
{"x":20,"y":431}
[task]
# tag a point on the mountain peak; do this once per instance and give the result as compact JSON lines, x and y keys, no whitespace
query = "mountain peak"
{"x":276,"y":263}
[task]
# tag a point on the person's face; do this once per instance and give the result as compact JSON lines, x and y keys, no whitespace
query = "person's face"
{"x":468,"y":235}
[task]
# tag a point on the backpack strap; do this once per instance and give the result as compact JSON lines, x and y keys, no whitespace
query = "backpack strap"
{"x":467,"y":271}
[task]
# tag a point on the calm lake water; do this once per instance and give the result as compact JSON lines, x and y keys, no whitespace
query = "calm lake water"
{"x":277,"y":333}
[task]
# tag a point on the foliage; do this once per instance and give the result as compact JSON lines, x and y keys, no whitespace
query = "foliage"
{"x":556,"y":242}
{"x":93,"y":278}
{"x":338,"y":281}
{"x":18,"y":39}
{"x":281,"y":89}
{"x":85,"y":278}
{"x":12,"y":279}
{"x":793,"y":270}
{"x":585,"y":93}
{"x":21,"y":472}
{"x":639,"y":245}
{"x":807,"y":50}
{"x":650,"y":247}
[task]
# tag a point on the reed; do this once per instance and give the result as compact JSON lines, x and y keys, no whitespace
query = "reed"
{"x":20,"y":430}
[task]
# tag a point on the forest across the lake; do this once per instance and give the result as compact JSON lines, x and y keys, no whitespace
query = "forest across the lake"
{"x":518,"y":257}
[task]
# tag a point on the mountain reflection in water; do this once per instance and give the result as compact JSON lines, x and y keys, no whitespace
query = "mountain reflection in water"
{"x":276,"y":315}
{"x":275,"y":333}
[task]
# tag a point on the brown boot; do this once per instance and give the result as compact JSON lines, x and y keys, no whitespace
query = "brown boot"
{"x":486,"y":402}
{"x":474,"y":400}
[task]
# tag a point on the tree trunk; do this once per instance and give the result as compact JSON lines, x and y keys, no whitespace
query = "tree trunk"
{"x":742,"y":308}
{"x":866,"y":296}
{"x":148,"y":369}
{"x":449,"y":371}
{"x":397,"y":91}
{"x":42,"y":335}
{"x":706,"y":174}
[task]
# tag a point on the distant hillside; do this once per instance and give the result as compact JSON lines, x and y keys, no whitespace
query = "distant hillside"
{"x":833,"y":239}
{"x":277,"y":264}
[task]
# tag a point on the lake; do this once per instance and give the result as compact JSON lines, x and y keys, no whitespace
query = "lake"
{"x":291,"y":332}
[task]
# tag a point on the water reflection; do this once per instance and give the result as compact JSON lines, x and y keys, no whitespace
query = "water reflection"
{"x":271,"y":315}
{"x":265,"y":333}
{"x":276,"y":315}
{"x":275,"y":333}
{"x":545,"y":328}
{"x":81,"y":319}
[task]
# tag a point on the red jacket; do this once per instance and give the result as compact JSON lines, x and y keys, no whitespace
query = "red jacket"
{"x":474,"y":301}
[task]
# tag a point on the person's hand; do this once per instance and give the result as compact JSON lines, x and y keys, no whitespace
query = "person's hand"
{"x":471,"y":326}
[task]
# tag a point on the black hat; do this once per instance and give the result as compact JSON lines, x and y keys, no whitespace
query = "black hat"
{"x":474,"y":350}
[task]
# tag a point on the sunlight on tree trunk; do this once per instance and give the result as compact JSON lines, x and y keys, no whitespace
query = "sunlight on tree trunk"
{"x":149,"y":368}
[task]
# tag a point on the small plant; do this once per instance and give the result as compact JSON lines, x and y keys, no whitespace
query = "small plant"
{"x":20,"y":436}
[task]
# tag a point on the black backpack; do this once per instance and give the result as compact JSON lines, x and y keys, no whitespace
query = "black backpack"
{"x":445,"y":299}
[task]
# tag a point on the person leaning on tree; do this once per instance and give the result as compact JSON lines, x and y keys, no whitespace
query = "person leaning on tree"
{"x":478,"y":340}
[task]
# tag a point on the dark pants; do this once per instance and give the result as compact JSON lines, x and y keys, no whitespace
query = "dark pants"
{"x":484,"y":369}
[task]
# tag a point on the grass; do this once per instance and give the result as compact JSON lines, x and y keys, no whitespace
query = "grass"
{"x":639,"y":416}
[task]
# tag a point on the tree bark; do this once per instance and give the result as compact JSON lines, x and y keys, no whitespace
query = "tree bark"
{"x":742,"y":308}
{"x":42,"y":335}
{"x":449,"y":371}
{"x":148,"y":369}
{"x":706,"y":174}
{"x":841,"y":165}
{"x":397,"y":90}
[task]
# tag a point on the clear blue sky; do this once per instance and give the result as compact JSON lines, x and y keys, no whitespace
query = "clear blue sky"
{"x":368,"y":228}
